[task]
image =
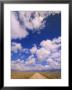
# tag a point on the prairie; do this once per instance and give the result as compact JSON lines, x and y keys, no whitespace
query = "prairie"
{"x":35,"y":75}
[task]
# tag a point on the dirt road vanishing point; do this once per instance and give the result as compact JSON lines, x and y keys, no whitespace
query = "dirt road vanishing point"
{"x":38,"y":76}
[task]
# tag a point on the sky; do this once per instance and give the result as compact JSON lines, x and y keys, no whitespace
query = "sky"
{"x":35,"y":40}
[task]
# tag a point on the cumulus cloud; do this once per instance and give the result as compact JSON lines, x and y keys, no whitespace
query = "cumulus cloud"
{"x":16,"y":30}
{"x":30,"y":60}
{"x":35,"y":19}
{"x":42,"y":54}
{"x":32,"y":20}
{"x":57,"y":40}
{"x":33,"y":49}
{"x":56,"y":54}
{"x":21,"y":66}
{"x":25,"y":50}
{"x":53,"y":64}
{"x":49,"y":51}
{"x":16,"y":47}
{"x":48,"y":44}
{"x":17,"y":64}
{"x":47,"y":47}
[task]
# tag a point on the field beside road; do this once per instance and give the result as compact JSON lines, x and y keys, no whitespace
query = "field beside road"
{"x":35,"y":75}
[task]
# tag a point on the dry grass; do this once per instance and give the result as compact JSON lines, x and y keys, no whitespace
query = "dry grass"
{"x":52,"y":75}
{"x":21,"y":75}
{"x":28,"y":75}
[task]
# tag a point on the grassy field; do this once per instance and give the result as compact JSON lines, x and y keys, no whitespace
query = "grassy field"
{"x":52,"y":75}
{"x":21,"y":75}
{"x":28,"y":75}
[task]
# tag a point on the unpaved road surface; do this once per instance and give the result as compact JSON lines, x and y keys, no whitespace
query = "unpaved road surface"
{"x":38,"y":76}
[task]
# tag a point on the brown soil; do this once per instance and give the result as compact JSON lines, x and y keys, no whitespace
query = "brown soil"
{"x":38,"y":76}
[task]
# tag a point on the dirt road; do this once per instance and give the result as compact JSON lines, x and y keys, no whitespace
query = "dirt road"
{"x":38,"y":76}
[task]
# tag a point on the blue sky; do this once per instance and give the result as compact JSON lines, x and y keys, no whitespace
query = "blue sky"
{"x":35,"y":40}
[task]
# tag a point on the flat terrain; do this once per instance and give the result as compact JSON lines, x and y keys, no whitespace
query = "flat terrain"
{"x":35,"y":75}
{"x":38,"y":76}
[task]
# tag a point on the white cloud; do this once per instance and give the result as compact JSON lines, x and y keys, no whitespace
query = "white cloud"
{"x":15,"y":47}
{"x":49,"y":51}
{"x":25,"y":50}
{"x":53,"y":64}
{"x":55,"y":55}
{"x":48,"y":44}
{"x":37,"y":22}
{"x":33,"y":49}
{"x":17,"y":64}
{"x":57,"y":40}
{"x":21,"y":66}
{"x":16,"y":30}
{"x":54,"y":59}
{"x":33,"y":20}
{"x":30,"y":60}
{"x":42,"y":54}
{"x":51,"y":45}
